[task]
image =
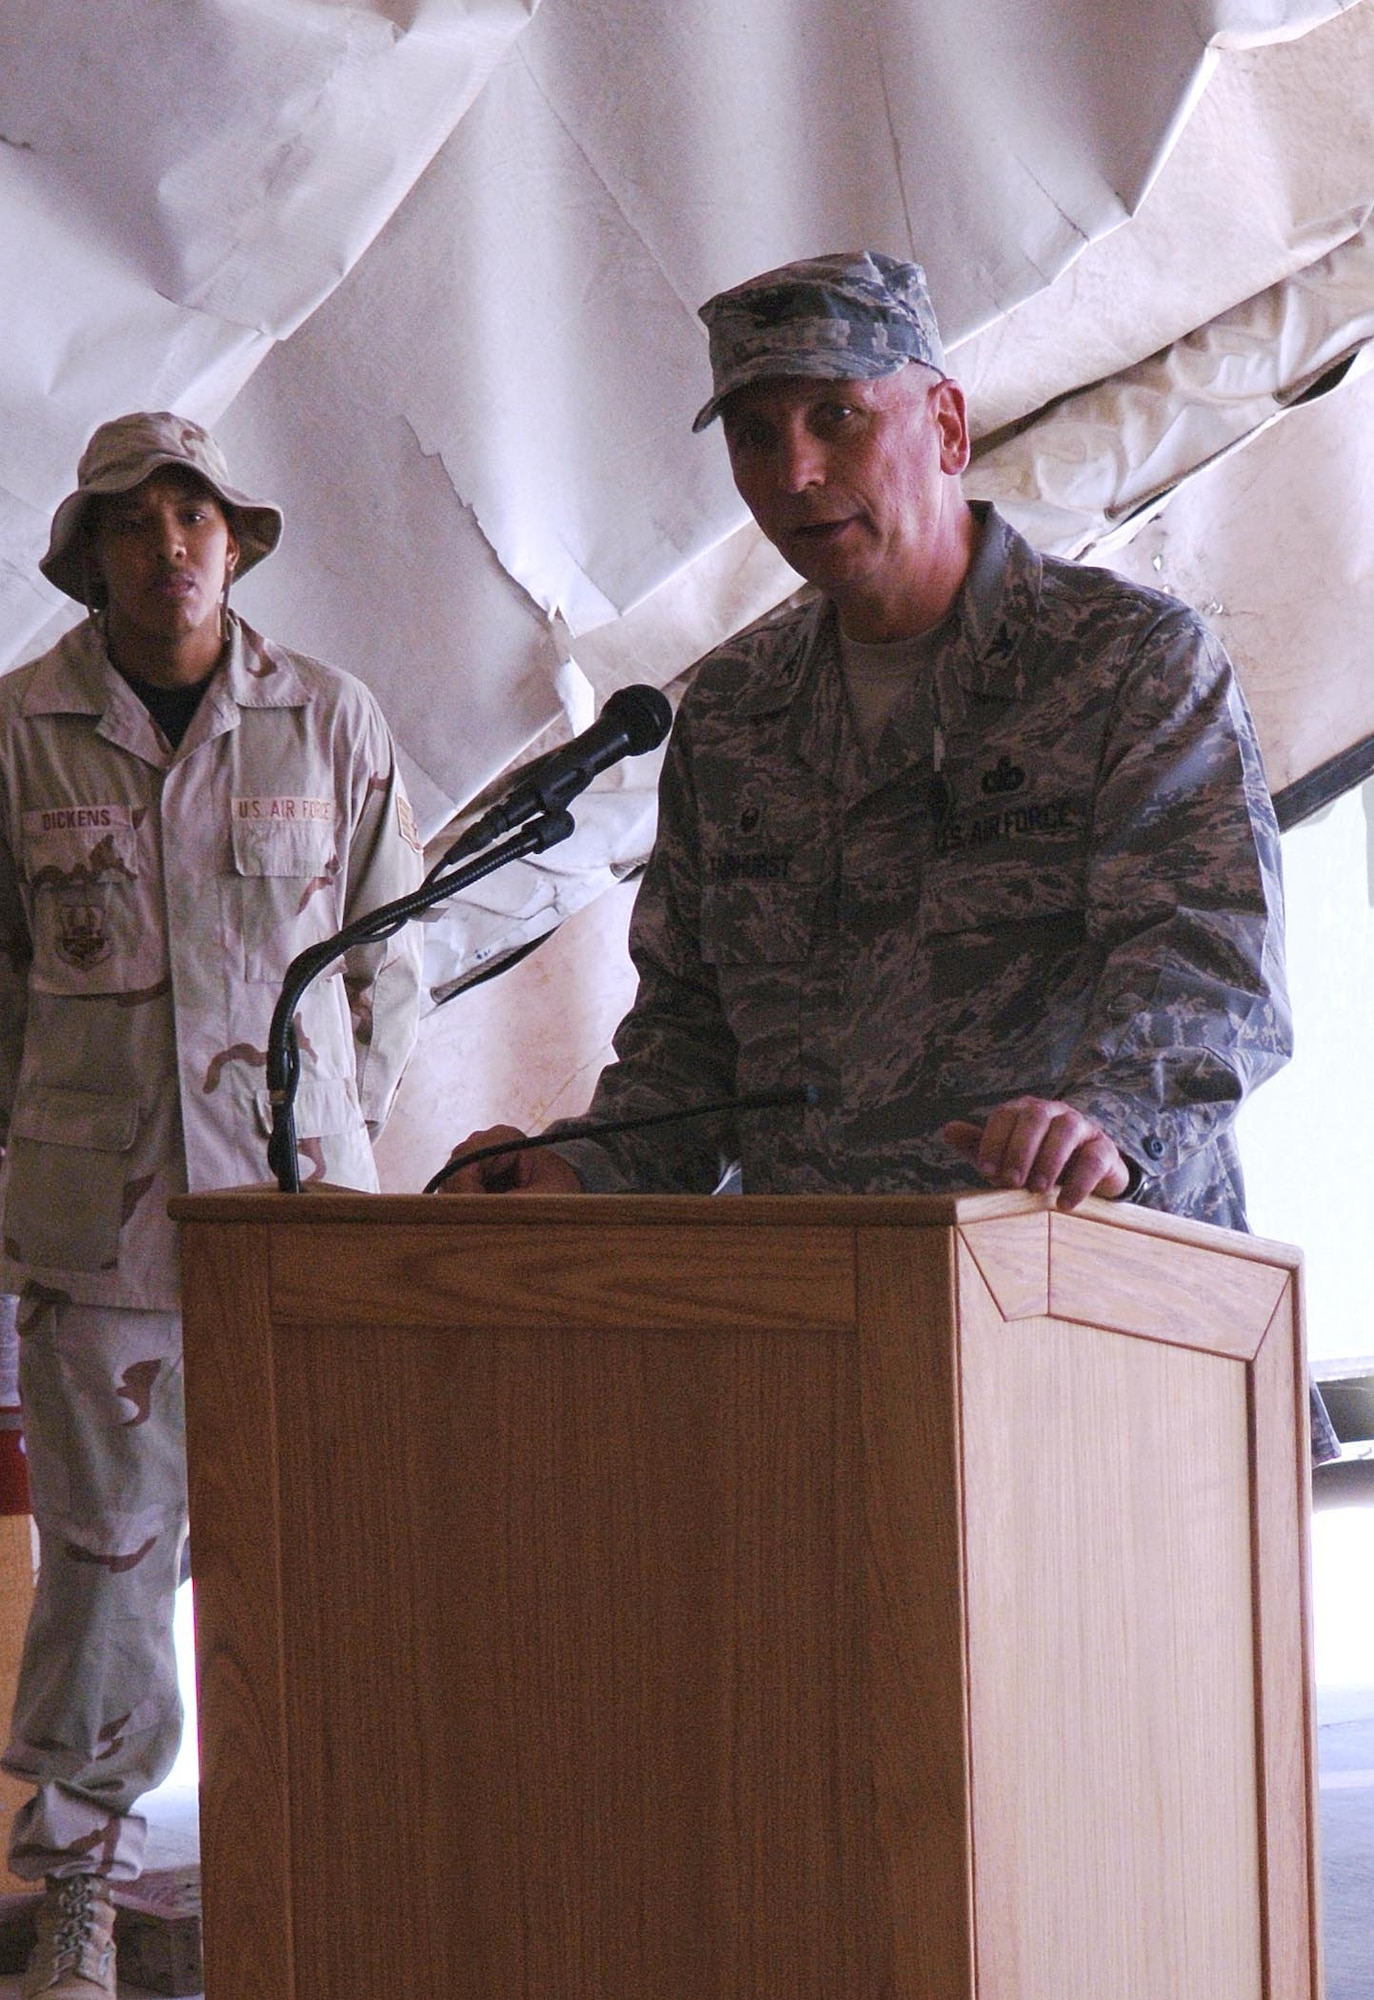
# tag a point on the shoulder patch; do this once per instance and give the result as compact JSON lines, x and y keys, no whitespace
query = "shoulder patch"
{"x":405,"y":821}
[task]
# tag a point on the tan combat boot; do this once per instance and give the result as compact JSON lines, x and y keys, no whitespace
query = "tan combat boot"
{"x":74,"y":1958}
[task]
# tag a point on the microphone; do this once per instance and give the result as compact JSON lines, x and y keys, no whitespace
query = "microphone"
{"x":634,"y":719}
{"x":758,"y":1100}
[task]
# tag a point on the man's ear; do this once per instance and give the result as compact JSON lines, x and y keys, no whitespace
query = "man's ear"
{"x":951,"y":421}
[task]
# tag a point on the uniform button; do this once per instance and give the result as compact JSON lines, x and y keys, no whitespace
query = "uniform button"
{"x":1154,"y":1148}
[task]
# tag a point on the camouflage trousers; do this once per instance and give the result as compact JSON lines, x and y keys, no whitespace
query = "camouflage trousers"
{"x":97,"y":1716}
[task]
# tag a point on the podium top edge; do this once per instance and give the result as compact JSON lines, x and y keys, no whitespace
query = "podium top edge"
{"x":335,"y":1205}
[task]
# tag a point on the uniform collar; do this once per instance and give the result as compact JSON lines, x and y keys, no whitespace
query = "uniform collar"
{"x":998,"y":604}
{"x":259,"y":674}
{"x":985,"y":660}
{"x":76,"y":678}
{"x":779,"y":651}
{"x":785,"y":653}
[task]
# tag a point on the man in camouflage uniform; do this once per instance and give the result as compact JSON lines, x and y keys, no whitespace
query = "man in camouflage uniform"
{"x":977,"y":843}
{"x":183,"y":807}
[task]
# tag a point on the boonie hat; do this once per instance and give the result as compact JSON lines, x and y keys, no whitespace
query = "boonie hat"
{"x":844,"y":318}
{"x":120,"y":456}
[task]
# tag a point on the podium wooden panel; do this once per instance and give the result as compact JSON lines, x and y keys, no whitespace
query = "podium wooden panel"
{"x":757,"y":1599}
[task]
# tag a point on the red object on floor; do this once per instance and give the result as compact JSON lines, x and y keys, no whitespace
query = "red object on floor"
{"x":14,"y":1469}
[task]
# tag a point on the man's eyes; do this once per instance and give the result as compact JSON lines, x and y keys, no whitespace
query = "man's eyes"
{"x":830,"y":418}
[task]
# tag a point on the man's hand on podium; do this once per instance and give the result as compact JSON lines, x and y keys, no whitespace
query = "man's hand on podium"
{"x":538,"y":1172}
{"x":1036,"y":1142}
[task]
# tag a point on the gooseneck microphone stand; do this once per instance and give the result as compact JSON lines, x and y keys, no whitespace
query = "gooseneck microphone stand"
{"x":283,"y":1049}
{"x":634,"y":719}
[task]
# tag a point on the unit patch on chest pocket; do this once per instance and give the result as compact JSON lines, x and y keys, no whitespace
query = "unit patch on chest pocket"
{"x":82,"y":871}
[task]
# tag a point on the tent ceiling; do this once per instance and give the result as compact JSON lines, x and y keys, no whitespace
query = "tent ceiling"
{"x":432,"y":270}
{"x":1251,"y":542}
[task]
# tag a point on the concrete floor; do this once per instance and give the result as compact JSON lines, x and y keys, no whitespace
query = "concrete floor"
{"x":1346,"y":1740}
{"x":1343,"y":1603}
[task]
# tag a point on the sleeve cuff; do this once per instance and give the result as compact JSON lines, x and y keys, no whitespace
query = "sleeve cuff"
{"x":593,"y":1167}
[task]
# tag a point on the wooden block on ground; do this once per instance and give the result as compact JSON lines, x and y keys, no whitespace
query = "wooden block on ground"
{"x":16,"y":1930}
{"x":157,"y":1931}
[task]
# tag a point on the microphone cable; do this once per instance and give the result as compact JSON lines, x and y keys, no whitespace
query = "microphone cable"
{"x":758,"y":1100}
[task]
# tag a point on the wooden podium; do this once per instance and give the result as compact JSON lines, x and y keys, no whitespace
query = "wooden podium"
{"x":756,"y":1599}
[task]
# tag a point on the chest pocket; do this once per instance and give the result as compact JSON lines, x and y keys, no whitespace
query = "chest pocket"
{"x":972,"y":901}
{"x":747,"y":923}
{"x":91,"y":912}
{"x":758,"y":937}
{"x":277,"y":898}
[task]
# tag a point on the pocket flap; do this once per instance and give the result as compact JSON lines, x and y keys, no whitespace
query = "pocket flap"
{"x":958,"y":895}
{"x":56,"y":1117}
{"x":76,"y":857}
{"x":278,"y":848}
{"x":757,"y":923}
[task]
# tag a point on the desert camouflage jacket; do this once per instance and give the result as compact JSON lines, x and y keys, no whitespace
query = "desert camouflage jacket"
{"x":1058,"y":873}
{"x":150,"y":901}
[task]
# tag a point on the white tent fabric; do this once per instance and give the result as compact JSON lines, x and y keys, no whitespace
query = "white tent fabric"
{"x":432,"y":271}
{"x":181,"y":183}
{"x":525,"y":330}
{"x":1275,"y":545}
{"x":1086,"y":473}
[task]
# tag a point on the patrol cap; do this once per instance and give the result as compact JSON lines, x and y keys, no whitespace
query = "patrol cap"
{"x":125,"y":452}
{"x":844,"y":318}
